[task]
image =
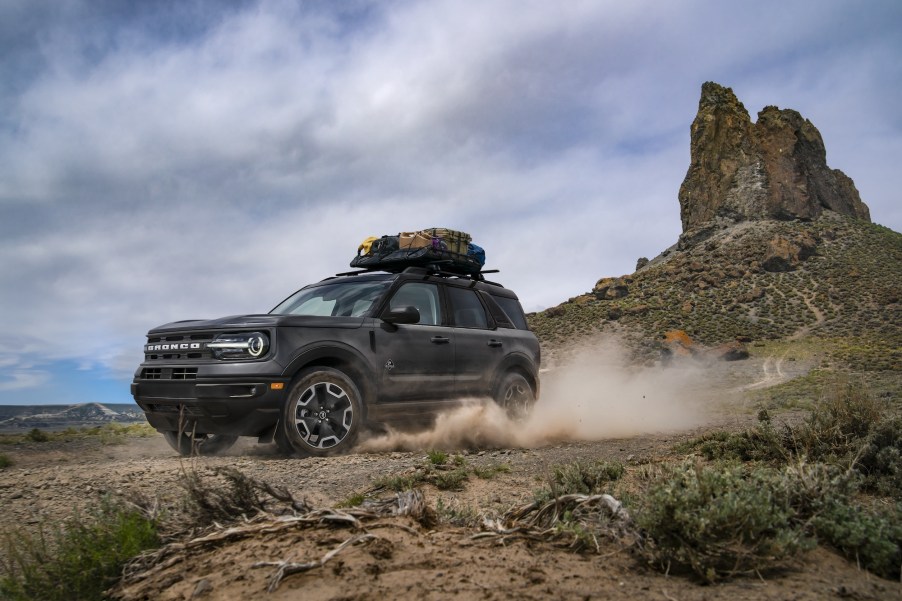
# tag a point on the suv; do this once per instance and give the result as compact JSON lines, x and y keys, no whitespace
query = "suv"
{"x":351,"y":351}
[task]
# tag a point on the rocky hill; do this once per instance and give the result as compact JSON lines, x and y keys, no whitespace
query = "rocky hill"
{"x":59,"y":417}
{"x":775,"y":168}
{"x":775,"y":245}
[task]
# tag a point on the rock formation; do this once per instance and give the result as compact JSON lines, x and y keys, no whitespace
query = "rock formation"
{"x":775,"y":168}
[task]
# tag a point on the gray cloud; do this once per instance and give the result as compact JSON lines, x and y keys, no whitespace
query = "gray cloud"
{"x":190,"y":160}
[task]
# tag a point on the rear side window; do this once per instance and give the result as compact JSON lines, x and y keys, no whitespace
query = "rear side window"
{"x":513,"y":310}
{"x":467,"y":309}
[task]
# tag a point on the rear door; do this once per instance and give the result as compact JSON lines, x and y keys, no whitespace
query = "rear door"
{"x":417,"y":360}
{"x":478,"y":349}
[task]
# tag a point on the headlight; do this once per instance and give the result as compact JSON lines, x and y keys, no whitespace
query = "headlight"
{"x":243,"y":345}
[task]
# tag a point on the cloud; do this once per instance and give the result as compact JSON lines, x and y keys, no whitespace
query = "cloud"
{"x":191,"y":159}
{"x":17,"y":375}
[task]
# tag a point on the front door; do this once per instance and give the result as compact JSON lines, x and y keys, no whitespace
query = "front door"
{"x":417,"y":360}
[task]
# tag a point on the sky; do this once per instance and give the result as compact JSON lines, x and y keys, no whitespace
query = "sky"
{"x":196,"y":158}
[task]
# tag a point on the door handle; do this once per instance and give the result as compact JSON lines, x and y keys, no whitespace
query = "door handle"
{"x":440,"y":340}
{"x":495,"y":343}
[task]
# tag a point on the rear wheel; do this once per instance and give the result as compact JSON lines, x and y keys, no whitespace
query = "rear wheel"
{"x":188,"y":444}
{"x":515,"y":395}
{"x":323,"y":413}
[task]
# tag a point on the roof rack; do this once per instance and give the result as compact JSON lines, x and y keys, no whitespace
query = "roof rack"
{"x":431,"y":269}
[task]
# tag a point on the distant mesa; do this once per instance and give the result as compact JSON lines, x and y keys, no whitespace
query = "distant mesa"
{"x":775,"y":168}
{"x":55,"y":417}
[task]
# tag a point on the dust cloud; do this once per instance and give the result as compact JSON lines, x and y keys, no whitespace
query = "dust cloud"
{"x":594,"y":396}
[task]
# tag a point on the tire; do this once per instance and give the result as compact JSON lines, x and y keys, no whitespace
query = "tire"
{"x":323,"y":413}
{"x":515,"y":395}
{"x":199,"y":444}
{"x":283,"y":444}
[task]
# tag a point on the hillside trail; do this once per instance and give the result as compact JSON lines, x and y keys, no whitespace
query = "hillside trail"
{"x":819,"y":317}
{"x":772,"y":370}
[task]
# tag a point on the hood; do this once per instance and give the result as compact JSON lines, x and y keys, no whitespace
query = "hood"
{"x":259,"y":321}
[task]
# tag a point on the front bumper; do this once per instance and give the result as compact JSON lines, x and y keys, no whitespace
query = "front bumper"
{"x":247,"y":406}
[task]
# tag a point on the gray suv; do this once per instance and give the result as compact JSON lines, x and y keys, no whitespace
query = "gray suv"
{"x":352,"y":351}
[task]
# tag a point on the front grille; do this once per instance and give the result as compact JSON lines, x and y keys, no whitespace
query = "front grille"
{"x":184,"y":373}
{"x":169,"y":373}
{"x":182,"y":354}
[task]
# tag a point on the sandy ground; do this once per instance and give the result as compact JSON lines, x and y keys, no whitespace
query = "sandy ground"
{"x":403,"y":559}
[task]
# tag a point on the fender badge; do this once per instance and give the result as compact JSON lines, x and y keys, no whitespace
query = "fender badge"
{"x":389,"y":365}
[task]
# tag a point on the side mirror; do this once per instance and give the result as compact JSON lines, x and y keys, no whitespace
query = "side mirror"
{"x":403,"y":315}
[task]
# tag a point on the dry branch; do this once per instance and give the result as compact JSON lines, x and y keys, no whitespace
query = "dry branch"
{"x":287,"y":568}
{"x":548,"y":520}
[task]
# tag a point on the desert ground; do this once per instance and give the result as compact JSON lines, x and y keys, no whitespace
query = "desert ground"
{"x":599,"y":411}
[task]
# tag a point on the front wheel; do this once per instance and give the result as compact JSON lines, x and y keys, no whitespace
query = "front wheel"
{"x":323,"y":413}
{"x":188,"y":444}
{"x":515,"y":395}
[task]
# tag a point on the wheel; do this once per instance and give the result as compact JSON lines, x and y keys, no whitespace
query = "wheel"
{"x":515,"y":396}
{"x":323,"y":413}
{"x":199,"y":444}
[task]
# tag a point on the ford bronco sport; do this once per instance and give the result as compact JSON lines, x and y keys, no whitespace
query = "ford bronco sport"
{"x":337,"y":356}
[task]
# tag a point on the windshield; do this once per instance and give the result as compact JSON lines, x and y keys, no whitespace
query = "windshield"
{"x":345,"y":299}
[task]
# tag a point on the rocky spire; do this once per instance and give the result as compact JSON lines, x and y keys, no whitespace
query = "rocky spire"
{"x":773,"y":169}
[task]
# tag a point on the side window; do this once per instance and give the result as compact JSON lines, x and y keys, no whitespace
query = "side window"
{"x":468,"y":312}
{"x":422,"y":296}
{"x":513,"y":310}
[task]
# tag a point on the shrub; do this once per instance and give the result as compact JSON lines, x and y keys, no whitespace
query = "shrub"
{"x":450,"y":480}
{"x":872,"y":539}
{"x":355,"y":500}
{"x":398,"y":483}
{"x":437,"y":457}
{"x":490,"y":471}
{"x":839,"y":424}
{"x":881,"y":459}
{"x":37,"y":435}
{"x":580,"y":478}
{"x":760,"y":443}
{"x":719,"y":520}
{"x":5,"y":461}
{"x":77,"y":560}
{"x":457,"y":514}
{"x":724,"y":519}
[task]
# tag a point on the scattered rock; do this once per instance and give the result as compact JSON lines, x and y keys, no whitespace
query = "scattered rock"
{"x":642,"y":262}
{"x":202,"y":588}
{"x":611,"y":288}
{"x":784,"y":255}
{"x":750,"y":296}
{"x":730,"y":351}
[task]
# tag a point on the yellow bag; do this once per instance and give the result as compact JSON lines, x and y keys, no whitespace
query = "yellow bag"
{"x":366,"y":245}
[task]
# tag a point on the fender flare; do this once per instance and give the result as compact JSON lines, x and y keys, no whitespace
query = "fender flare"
{"x":337,"y":355}
{"x":520,"y":363}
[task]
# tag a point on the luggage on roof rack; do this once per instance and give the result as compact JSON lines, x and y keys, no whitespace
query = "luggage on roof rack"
{"x":448,"y":250}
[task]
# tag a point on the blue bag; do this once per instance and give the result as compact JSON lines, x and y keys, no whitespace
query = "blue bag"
{"x":476,"y":252}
